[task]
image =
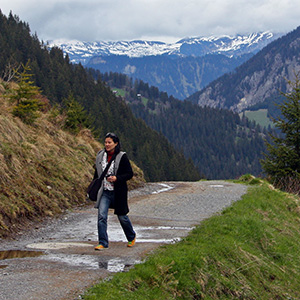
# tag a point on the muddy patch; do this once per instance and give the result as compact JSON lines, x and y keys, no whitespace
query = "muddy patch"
{"x":55,"y":246}
{"x":3,"y":266}
{"x":10,"y":254}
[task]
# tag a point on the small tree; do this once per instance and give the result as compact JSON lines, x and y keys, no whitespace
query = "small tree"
{"x":282,"y":163}
{"x":76,"y":117}
{"x":27,"y":97}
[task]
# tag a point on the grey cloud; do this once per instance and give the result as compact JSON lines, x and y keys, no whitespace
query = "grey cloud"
{"x":133,"y":19}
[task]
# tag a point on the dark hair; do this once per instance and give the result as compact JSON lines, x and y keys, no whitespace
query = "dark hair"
{"x":115,"y":138}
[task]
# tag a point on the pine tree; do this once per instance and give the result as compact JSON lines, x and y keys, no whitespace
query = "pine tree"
{"x":27,"y":98}
{"x":282,"y":163}
{"x":26,"y":89}
{"x":76,"y":116}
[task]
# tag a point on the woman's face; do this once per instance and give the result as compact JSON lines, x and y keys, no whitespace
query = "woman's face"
{"x":110,"y":145}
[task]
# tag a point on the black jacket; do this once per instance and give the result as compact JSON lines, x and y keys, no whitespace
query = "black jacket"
{"x":124,"y":173}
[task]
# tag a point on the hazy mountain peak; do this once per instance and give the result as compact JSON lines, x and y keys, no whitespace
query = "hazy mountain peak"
{"x":80,"y":51}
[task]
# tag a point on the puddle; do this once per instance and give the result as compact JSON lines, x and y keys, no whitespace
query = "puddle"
{"x":145,"y":234}
{"x":87,"y":261}
{"x":9,"y":254}
{"x":85,"y":231}
{"x":93,"y":262}
{"x":216,"y":185}
{"x":165,"y":188}
{"x":116,"y":265}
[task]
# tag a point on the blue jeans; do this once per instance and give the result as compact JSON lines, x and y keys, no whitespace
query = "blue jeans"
{"x":106,"y":199}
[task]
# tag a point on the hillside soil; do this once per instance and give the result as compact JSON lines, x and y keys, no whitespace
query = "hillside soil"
{"x":57,"y":260}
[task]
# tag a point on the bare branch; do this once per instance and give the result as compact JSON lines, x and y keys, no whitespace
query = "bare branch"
{"x":10,"y":71}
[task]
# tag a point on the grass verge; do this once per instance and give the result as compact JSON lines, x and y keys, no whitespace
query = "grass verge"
{"x":249,"y":251}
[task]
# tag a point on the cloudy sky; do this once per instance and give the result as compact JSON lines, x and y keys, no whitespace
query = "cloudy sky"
{"x":163,"y":20}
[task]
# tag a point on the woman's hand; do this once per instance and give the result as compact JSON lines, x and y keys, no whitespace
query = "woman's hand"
{"x":111,"y":178}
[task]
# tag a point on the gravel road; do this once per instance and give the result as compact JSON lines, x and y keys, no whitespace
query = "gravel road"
{"x":57,"y":260}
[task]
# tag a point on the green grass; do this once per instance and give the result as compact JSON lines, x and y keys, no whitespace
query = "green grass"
{"x":260,"y":117}
{"x":145,"y":100}
{"x":249,"y":251}
{"x":120,"y":92}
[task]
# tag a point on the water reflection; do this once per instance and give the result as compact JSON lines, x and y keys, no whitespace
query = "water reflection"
{"x":116,"y":265}
{"x":93,"y":261}
{"x":87,"y":261}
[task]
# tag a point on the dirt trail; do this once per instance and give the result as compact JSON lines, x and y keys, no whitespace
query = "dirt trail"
{"x":57,"y":260}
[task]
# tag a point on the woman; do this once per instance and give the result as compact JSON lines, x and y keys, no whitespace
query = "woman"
{"x":113,"y":192}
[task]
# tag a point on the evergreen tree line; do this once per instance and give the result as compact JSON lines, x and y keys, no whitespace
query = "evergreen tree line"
{"x":221,"y":144}
{"x":58,"y":78}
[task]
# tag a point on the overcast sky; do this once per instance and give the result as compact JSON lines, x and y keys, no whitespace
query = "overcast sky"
{"x":159,"y":20}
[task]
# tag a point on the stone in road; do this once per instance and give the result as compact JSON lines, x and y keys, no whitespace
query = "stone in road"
{"x":160,"y":213}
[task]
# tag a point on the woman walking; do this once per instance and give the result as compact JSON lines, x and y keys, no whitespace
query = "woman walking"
{"x":113,"y":192}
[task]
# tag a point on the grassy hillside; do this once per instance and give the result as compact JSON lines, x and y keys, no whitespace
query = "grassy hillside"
{"x":43,"y":168}
{"x":250,"y":251}
{"x":260,"y":116}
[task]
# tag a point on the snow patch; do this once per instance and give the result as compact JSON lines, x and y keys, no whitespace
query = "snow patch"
{"x":79,"y":51}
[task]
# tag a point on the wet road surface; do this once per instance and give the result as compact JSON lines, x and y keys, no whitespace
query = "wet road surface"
{"x":57,"y":260}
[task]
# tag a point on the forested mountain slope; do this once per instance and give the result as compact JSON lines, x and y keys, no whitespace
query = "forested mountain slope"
{"x":58,"y":78}
{"x":178,"y":76}
{"x":221,"y":144}
{"x":258,"y":80}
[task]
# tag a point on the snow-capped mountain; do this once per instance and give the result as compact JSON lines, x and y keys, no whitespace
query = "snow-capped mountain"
{"x":180,"y":68}
{"x":82,"y":52}
{"x":227,"y":45}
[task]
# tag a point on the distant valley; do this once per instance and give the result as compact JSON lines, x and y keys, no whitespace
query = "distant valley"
{"x":180,"y":69}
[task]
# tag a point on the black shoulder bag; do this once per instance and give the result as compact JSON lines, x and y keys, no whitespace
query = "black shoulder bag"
{"x":94,"y":186}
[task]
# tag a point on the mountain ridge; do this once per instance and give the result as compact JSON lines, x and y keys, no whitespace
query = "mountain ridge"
{"x":258,"y":80}
{"x":179,"y":77}
{"x":81,"y":51}
{"x":180,"y":69}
